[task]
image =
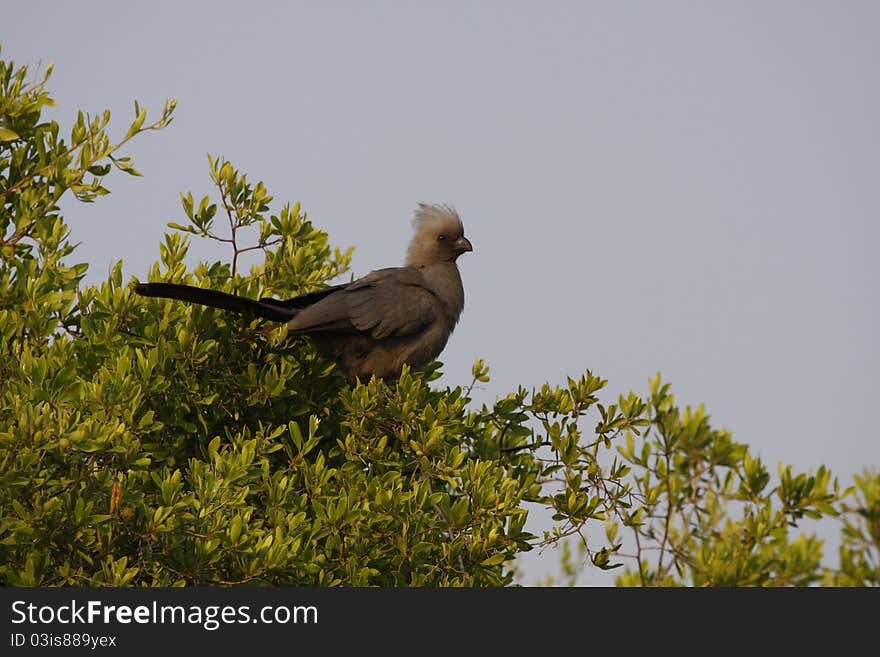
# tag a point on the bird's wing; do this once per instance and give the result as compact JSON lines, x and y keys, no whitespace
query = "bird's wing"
{"x":392,"y":302}
{"x":385,"y":302}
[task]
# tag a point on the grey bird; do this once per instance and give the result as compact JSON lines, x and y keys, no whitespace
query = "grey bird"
{"x":375,"y":324}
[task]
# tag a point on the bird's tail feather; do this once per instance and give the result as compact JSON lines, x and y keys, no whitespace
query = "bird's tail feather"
{"x":216,"y":299}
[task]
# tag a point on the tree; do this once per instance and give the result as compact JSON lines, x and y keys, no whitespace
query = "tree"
{"x":144,"y":441}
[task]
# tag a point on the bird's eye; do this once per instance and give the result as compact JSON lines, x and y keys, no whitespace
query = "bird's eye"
{"x":440,"y":238}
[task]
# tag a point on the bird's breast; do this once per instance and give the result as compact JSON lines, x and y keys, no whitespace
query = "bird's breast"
{"x":444,"y":281}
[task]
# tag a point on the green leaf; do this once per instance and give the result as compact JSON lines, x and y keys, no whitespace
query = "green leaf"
{"x":494,"y":560}
{"x":137,"y":124}
{"x":99,"y":169}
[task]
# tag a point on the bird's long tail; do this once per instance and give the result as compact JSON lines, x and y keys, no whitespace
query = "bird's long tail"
{"x":264,"y":308}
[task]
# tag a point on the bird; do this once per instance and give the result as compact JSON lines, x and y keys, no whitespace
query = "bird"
{"x":376,"y":324}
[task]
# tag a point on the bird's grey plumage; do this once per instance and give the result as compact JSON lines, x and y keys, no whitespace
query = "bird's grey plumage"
{"x":378,"y":323}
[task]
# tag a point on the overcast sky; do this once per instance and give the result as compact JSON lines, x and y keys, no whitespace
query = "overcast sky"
{"x":684,"y":187}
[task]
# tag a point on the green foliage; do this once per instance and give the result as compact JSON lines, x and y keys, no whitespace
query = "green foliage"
{"x":705,"y":513}
{"x":153,"y":442}
{"x":860,"y":549}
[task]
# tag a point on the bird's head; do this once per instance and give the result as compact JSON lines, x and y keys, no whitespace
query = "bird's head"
{"x":439,"y":236}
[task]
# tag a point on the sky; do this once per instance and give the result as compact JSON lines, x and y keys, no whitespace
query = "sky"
{"x":690,"y":188}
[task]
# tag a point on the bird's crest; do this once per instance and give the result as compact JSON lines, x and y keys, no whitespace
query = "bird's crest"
{"x":429,"y":214}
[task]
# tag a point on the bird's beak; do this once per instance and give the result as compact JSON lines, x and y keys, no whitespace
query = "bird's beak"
{"x":463,"y":244}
